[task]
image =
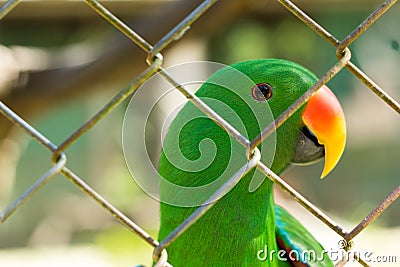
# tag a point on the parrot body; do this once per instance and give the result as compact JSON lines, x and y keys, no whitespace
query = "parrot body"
{"x":241,"y":223}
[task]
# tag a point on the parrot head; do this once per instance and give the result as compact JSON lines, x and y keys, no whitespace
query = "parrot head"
{"x":316,"y":131}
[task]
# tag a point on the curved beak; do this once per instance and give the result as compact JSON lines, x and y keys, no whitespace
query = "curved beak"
{"x":324,"y":117}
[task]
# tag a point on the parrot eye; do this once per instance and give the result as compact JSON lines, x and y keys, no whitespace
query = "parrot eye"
{"x":261,"y":92}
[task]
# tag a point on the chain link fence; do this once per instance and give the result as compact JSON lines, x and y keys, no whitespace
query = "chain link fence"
{"x":155,"y":64}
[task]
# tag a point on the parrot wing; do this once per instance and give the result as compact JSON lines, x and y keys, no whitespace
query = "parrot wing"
{"x":301,"y":248}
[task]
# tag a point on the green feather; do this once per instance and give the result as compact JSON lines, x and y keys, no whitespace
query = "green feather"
{"x":298,"y":242}
{"x":242,"y":222}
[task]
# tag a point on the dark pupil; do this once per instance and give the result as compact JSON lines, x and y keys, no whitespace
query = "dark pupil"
{"x":265,"y":90}
{"x":262,"y":91}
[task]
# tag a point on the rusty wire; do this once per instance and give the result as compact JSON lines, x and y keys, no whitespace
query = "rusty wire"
{"x":155,"y":60}
{"x":7,"y":7}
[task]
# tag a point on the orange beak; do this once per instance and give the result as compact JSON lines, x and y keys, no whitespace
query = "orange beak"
{"x":324,"y":117}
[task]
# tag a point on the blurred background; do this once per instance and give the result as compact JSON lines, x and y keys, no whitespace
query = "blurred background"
{"x":60,"y":63}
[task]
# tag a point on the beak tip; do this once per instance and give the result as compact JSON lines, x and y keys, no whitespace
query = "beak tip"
{"x":333,"y":155}
{"x":324,"y":174}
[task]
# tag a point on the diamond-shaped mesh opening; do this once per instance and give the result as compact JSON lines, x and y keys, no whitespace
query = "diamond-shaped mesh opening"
{"x":169,"y":36}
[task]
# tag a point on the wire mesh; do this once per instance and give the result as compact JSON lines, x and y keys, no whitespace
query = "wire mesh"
{"x":155,"y":60}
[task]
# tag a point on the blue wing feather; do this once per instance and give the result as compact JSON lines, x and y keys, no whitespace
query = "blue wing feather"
{"x":301,"y":248}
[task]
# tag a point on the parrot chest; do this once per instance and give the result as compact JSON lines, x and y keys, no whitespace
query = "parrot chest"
{"x":231,"y":233}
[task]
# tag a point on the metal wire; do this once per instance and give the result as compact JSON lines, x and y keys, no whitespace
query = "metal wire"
{"x":7,"y":7}
{"x":180,"y":29}
{"x":374,"y":16}
{"x":117,"y":23}
{"x":302,"y":200}
{"x":301,"y":100}
{"x":207,"y":110}
{"x":34,"y":188}
{"x":21,"y":123}
{"x":155,"y":60}
{"x":374,"y":214}
{"x":350,"y":38}
{"x":225,"y":188}
{"x":114,"y":102}
{"x":123,"y":219}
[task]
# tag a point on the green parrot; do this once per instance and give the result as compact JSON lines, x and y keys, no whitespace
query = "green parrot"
{"x":245,"y":227}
